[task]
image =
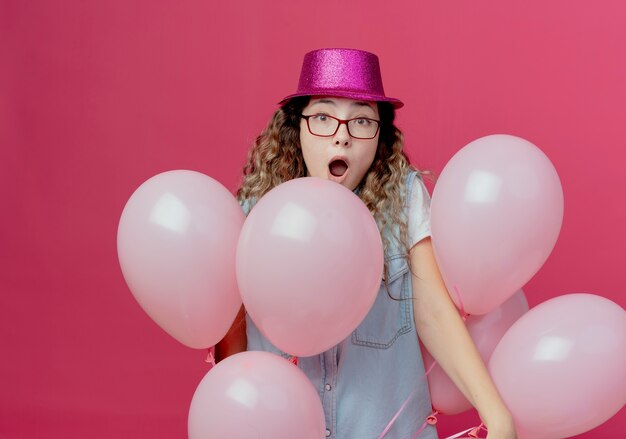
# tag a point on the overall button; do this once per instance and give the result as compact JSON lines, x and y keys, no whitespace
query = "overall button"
{"x":327,"y":432}
{"x":328,"y":387}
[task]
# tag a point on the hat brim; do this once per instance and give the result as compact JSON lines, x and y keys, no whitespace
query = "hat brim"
{"x":350,"y":94}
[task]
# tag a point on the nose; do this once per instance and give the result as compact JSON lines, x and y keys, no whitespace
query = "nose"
{"x":342,"y":136}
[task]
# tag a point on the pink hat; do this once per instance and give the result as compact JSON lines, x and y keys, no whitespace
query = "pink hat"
{"x":347,"y":73}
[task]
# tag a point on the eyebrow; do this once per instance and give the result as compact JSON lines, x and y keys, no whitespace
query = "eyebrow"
{"x":357,"y":103}
{"x":363,"y":104}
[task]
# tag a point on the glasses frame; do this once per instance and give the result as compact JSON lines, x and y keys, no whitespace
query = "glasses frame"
{"x":341,"y":121}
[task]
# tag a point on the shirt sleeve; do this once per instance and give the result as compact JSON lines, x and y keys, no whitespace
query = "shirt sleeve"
{"x":419,"y":212}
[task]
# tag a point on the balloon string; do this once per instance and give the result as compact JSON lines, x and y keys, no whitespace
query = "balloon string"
{"x":404,"y":405}
{"x":454,"y":436}
{"x":430,"y":420}
{"x":396,"y":416}
{"x":429,"y":369}
{"x":417,"y":433}
{"x":471,"y":432}
{"x":475,"y":431}
{"x":210,"y":357}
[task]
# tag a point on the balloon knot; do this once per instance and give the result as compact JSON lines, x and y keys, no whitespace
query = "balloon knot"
{"x":475,"y":431}
{"x":293,"y":360}
{"x":210,"y":358}
{"x":432,"y":418}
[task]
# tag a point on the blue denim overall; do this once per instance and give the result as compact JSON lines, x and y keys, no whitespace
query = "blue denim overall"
{"x":365,"y":379}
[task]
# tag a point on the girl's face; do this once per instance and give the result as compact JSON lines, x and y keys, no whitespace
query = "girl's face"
{"x":340,"y":157}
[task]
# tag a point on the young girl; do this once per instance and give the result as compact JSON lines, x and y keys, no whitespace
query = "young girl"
{"x":339,"y":126}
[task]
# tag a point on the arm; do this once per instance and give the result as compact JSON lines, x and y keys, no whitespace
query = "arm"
{"x":444,"y":334}
{"x":235,"y":340}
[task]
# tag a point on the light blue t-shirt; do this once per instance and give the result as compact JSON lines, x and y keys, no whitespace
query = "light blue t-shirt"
{"x":364,"y":380}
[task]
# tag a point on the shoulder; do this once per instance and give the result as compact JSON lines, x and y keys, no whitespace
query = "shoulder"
{"x":416,"y":191}
{"x":418,"y":206}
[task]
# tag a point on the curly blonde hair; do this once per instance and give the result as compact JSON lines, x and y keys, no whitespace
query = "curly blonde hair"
{"x":276,"y":157}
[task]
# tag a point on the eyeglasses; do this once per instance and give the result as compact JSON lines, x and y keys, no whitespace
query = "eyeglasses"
{"x":323,"y":125}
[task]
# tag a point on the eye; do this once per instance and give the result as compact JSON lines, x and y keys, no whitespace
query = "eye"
{"x":363,"y":122}
{"x":321,"y":117}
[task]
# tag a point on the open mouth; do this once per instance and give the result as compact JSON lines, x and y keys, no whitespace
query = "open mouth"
{"x":338,"y":167}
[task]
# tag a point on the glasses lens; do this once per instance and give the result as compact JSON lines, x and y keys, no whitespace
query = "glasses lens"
{"x":323,"y":125}
{"x":363,"y":128}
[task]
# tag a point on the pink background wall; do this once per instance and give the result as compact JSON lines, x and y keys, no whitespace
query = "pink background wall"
{"x":96,"y":97}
